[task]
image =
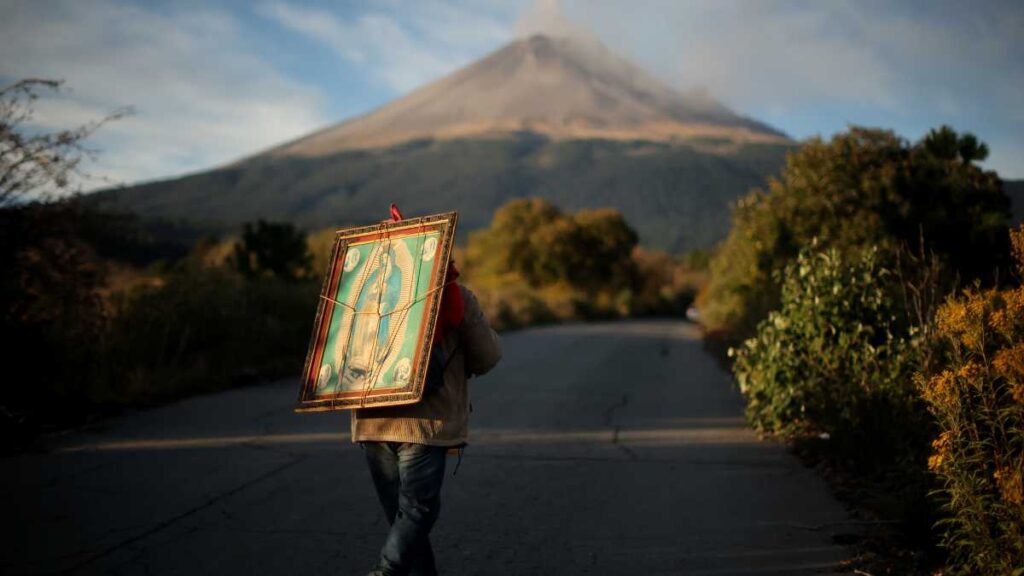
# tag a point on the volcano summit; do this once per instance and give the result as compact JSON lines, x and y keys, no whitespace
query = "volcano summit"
{"x":561,"y":88}
{"x":559,"y":117}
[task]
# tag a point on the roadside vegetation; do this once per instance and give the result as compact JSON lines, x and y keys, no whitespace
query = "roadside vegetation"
{"x":536,"y":264}
{"x":101,"y":312}
{"x":97,"y":317}
{"x":977,"y":398}
{"x":101,"y":316}
{"x":864,"y":187}
{"x":839,"y":291}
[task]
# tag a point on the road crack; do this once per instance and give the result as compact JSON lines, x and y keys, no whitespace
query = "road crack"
{"x":609,"y":417}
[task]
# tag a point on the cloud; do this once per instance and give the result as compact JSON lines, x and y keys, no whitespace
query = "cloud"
{"x":816,"y":66}
{"x":776,"y":53}
{"x":402,"y":45}
{"x":767,"y":53}
{"x":200,"y":96}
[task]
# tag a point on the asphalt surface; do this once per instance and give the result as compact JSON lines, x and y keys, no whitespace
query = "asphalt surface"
{"x":615,"y":448}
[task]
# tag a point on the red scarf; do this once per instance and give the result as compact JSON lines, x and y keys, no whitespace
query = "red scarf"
{"x":452,"y":306}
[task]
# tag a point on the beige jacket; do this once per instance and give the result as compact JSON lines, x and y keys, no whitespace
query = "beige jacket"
{"x":442,"y":417}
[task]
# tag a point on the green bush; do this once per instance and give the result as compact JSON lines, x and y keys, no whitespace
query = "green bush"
{"x":864,"y":187}
{"x":834,"y":358}
{"x":832,"y":371}
{"x":978,"y":400}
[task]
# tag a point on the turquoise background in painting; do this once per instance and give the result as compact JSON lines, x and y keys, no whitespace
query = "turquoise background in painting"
{"x":422,"y":285}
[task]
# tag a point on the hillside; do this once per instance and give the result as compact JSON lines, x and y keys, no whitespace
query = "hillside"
{"x":676,"y":197}
{"x":560,"y":118}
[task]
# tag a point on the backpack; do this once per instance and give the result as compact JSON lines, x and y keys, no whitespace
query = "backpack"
{"x":436,"y":367}
{"x":435,"y":370}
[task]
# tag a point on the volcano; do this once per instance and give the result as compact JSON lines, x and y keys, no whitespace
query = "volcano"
{"x":559,"y":117}
{"x":561,"y":88}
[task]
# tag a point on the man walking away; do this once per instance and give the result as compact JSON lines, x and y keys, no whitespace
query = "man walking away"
{"x":406,"y":445}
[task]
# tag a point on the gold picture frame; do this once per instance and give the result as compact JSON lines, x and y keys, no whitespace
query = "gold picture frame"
{"x":378,"y":310}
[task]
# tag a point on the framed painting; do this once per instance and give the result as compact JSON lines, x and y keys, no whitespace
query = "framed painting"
{"x":377,"y":313}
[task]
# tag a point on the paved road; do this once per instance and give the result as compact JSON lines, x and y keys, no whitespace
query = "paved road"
{"x":612,"y":448}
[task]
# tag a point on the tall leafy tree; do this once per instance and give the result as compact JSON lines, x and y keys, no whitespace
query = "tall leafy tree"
{"x":863,"y":187}
{"x":590,"y":250}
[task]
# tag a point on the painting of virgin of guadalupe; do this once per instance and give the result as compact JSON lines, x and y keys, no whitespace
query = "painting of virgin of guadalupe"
{"x":377,"y":313}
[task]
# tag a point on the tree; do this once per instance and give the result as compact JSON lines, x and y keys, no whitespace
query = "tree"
{"x":35,"y":165}
{"x":510,"y":243}
{"x":864,"y":187}
{"x":590,"y":250}
{"x":605,"y":249}
{"x":50,"y":289}
{"x":272,"y":249}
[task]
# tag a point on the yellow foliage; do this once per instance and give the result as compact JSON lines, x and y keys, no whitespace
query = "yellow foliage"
{"x":941,"y":445}
{"x":1011,"y":485}
{"x":978,"y":402}
{"x":1017,"y":243}
{"x":940,"y":389}
{"x":1009,"y":362}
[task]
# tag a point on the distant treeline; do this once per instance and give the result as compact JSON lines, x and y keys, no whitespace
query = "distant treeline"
{"x":537,"y":264}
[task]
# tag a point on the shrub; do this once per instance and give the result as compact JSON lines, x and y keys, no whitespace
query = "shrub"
{"x":864,"y":187}
{"x":52,"y":317}
{"x":833,"y":358}
{"x":978,"y":400}
{"x":200,"y":329}
{"x":272,"y":249}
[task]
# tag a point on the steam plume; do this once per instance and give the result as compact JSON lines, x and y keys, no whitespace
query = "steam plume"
{"x":546,"y":17}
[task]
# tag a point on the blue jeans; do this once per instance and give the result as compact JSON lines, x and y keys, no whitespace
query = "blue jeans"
{"x":408,"y":479}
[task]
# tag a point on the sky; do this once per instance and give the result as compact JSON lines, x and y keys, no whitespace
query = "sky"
{"x":213,"y":81}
